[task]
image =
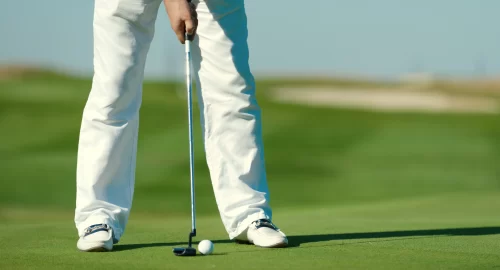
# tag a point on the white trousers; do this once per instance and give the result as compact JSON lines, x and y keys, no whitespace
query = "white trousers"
{"x":231,"y":117}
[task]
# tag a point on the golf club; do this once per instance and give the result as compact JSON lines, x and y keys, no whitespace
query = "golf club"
{"x":189,"y":250}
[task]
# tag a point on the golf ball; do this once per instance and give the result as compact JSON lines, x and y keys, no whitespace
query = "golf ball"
{"x":206,"y":247}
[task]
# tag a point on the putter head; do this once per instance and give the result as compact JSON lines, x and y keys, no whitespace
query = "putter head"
{"x":187,"y":251}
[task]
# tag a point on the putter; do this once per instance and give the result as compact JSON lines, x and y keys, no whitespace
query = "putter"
{"x":189,"y":250}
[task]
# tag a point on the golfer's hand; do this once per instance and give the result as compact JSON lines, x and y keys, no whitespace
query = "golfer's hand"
{"x":183,"y":18}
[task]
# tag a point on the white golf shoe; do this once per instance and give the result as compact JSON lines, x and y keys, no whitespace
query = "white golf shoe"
{"x":263,"y":233}
{"x":97,"y":238}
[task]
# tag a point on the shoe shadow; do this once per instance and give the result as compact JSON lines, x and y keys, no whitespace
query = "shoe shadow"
{"x":297,"y":240}
{"x":163,"y":244}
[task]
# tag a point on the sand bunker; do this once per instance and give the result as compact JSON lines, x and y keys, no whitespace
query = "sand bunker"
{"x":386,"y":100}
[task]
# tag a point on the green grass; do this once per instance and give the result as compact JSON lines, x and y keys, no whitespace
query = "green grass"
{"x":352,"y":189}
{"x":458,"y":231}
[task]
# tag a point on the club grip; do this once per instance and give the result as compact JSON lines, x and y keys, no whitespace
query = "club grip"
{"x":188,"y":36}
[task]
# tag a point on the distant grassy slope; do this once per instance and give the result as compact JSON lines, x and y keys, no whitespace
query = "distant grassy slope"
{"x":315,"y":157}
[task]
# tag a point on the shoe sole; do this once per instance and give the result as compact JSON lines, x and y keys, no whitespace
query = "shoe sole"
{"x":279,"y":245}
{"x":96,"y":249}
{"x":104,"y":247}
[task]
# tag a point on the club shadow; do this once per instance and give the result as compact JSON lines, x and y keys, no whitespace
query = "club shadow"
{"x":162,"y":244}
{"x":297,"y":240}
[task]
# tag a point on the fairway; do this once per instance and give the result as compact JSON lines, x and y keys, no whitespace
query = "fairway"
{"x":352,"y":189}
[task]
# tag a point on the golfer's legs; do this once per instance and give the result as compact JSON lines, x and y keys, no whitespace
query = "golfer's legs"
{"x":123,"y":30}
{"x":232,"y":117}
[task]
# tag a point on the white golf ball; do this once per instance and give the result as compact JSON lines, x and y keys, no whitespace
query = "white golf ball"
{"x":206,"y":247}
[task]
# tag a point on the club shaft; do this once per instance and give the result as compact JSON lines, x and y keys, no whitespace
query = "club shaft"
{"x":190,"y":120}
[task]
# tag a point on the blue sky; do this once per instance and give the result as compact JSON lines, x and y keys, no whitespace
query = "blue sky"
{"x":383,"y":38}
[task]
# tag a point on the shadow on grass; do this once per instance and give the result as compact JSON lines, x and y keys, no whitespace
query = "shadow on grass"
{"x":162,"y":244}
{"x":297,"y":240}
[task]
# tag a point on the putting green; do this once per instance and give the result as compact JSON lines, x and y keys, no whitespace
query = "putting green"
{"x":457,"y":231}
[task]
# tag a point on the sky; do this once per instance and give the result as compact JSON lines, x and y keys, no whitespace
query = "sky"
{"x":378,"y":39}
